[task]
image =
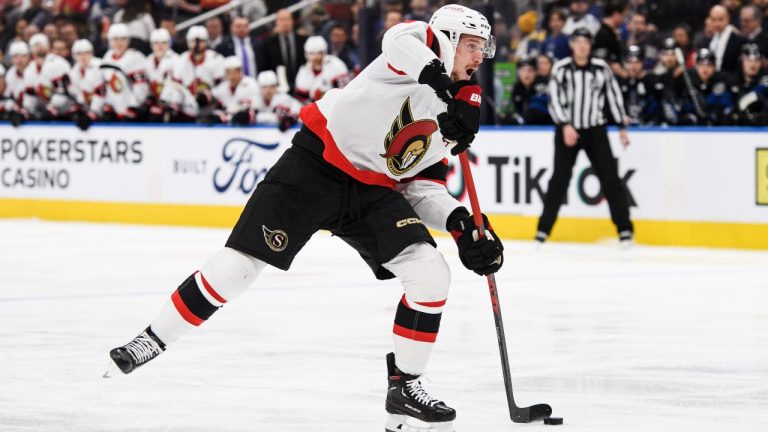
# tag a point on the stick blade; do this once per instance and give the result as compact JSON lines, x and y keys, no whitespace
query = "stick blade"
{"x":531,"y":413}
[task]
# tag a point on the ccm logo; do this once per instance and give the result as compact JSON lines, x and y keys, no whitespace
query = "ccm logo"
{"x":409,"y":221}
{"x":475,"y":98}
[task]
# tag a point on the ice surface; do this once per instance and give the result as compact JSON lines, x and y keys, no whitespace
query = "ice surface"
{"x":650,"y":339}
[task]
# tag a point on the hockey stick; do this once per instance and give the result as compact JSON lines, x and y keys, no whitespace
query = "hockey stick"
{"x":516,"y":413}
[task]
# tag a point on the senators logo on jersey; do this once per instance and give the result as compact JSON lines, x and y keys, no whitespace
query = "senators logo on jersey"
{"x":277,"y":240}
{"x":407,"y":141}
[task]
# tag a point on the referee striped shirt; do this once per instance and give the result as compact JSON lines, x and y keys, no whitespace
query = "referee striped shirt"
{"x":578,"y":94}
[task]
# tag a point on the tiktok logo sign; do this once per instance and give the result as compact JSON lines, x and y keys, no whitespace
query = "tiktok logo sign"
{"x":240,"y":170}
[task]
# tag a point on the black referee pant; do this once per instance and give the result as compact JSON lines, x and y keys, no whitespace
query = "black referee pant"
{"x":595,"y":143}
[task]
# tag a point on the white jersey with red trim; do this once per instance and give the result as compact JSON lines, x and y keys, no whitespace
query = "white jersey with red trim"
{"x":270,"y":112}
{"x":200,"y":76}
{"x":87,"y":85}
{"x":126,"y":80}
{"x":239,"y":98}
{"x":312,"y":84}
{"x":46,"y":85}
{"x":382,"y":127}
{"x":158,"y":70}
{"x":14,"y":88}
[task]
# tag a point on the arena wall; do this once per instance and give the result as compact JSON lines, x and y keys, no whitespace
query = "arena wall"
{"x":688,"y":186}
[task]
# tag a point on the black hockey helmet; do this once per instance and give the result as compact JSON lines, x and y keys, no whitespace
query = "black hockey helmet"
{"x":705,"y":56}
{"x":669,"y":44}
{"x":751,"y":50}
{"x":634,"y":53}
{"x":581,"y":32}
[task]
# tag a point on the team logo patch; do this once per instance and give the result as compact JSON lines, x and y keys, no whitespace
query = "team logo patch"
{"x":407,"y":141}
{"x":277,"y":240}
{"x":116,"y":84}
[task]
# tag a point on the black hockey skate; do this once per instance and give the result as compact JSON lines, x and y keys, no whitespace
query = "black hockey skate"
{"x":136,"y":353}
{"x":407,"y":400}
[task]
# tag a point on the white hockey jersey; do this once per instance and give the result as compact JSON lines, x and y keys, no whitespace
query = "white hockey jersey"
{"x":87,"y":85}
{"x":159,"y":70}
{"x":381,"y":129}
{"x":239,"y":98}
{"x":126,"y":80}
{"x":46,"y":85}
{"x":311,"y":85}
{"x":270,"y":112}
{"x":190,"y":78}
{"x":14,"y":89}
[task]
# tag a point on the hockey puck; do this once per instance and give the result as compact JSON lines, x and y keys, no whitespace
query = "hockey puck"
{"x":553,"y":421}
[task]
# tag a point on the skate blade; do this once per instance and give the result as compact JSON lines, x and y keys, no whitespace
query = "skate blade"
{"x":112,"y":370}
{"x":404,"y":423}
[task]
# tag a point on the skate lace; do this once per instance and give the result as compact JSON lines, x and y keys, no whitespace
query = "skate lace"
{"x":143,"y":348}
{"x":417,"y":391}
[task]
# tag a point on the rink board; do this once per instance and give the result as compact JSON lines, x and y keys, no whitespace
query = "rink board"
{"x":692,"y":187}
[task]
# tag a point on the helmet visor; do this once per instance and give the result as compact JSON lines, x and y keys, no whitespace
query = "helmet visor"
{"x":489,"y":50}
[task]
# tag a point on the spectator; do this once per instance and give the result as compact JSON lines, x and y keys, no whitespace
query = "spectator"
{"x":60,"y":48}
{"x":530,"y":43}
{"x":751,"y":88}
{"x":29,"y":31}
{"x":75,"y":10}
{"x":419,"y":11}
{"x":342,"y":48}
{"x":69,"y":34}
{"x":253,"y":10}
{"x":639,"y":90}
{"x":215,"y":29}
{"x":682,"y":36}
{"x":284,"y":48}
{"x":139,"y":23}
{"x":643,"y":36}
{"x":733,"y":7}
{"x":176,"y":43}
{"x":242,"y":46}
{"x":544,"y":65}
{"x":580,"y":18}
{"x":530,"y":96}
{"x":185,"y":9}
{"x":51,"y":31}
{"x":708,"y":100}
{"x":556,"y":43}
{"x":751,"y":25}
{"x":607,"y":45}
{"x":321,"y":73}
{"x":36,"y":14}
{"x":726,"y":42}
{"x":391,"y":18}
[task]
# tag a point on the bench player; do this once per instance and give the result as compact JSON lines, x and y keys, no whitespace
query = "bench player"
{"x":369,"y":166}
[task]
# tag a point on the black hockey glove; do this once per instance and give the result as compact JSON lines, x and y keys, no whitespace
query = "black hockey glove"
{"x":83,"y":120}
{"x":461,"y":120}
{"x":286,"y":122}
{"x":481,"y":255}
{"x":203,"y":98}
{"x":16,"y":118}
{"x":241,"y":118}
{"x":435,"y":76}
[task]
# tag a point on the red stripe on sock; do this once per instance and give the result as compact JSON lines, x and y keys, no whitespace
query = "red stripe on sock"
{"x":440,"y":303}
{"x":414,"y":335}
{"x":184,"y":310}
{"x":210,"y":290}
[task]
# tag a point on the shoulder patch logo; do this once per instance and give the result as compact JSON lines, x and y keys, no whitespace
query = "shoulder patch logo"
{"x":407,"y":141}
{"x":277,"y":240}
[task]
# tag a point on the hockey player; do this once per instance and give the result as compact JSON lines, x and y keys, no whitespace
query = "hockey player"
{"x":530,"y":95}
{"x":639,"y":90}
{"x":709,"y":100}
{"x":159,"y":67}
{"x":369,"y":166}
{"x":236,"y":96}
{"x":670,"y":84}
{"x":751,"y":88}
{"x":13,"y":93}
{"x":320,"y":73}
{"x":46,"y":82}
{"x":195,"y":74}
{"x":125,"y":73}
{"x":273,"y":107}
{"x":86,"y":84}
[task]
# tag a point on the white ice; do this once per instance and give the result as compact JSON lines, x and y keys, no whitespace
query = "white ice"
{"x":650,"y":339}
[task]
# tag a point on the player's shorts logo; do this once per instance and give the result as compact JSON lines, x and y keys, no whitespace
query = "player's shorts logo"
{"x":277,"y":240}
{"x":407,"y":141}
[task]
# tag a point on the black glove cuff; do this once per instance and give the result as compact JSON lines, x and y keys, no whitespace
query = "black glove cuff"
{"x":456,"y":215}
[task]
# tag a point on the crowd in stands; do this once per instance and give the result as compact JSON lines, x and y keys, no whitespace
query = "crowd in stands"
{"x":683,"y":62}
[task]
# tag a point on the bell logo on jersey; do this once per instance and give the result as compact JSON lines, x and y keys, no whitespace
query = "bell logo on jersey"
{"x":407,"y":141}
{"x":277,"y":240}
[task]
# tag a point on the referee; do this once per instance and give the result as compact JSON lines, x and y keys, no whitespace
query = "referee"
{"x":579,"y":90}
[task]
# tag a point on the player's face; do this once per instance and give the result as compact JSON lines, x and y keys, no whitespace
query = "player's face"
{"x":634,"y":68}
{"x":234,"y":76}
{"x":668,"y":59}
{"x":20,"y":61}
{"x":315,"y":58}
{"x":160,"y":48}
{"x":119,"y":44}
{"x":83,"y":59}
{"x":751,"y":66}
{"x":469,"y":55}
{"x":267,"y":92}
{"x":705,"y":71}
{"x":543,"y":66}
{"x":40,"y":51}
{"x":526,"y":74}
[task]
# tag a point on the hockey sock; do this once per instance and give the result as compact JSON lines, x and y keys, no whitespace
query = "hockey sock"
{"x":225,"y":276}
{"x":415,"y":333}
